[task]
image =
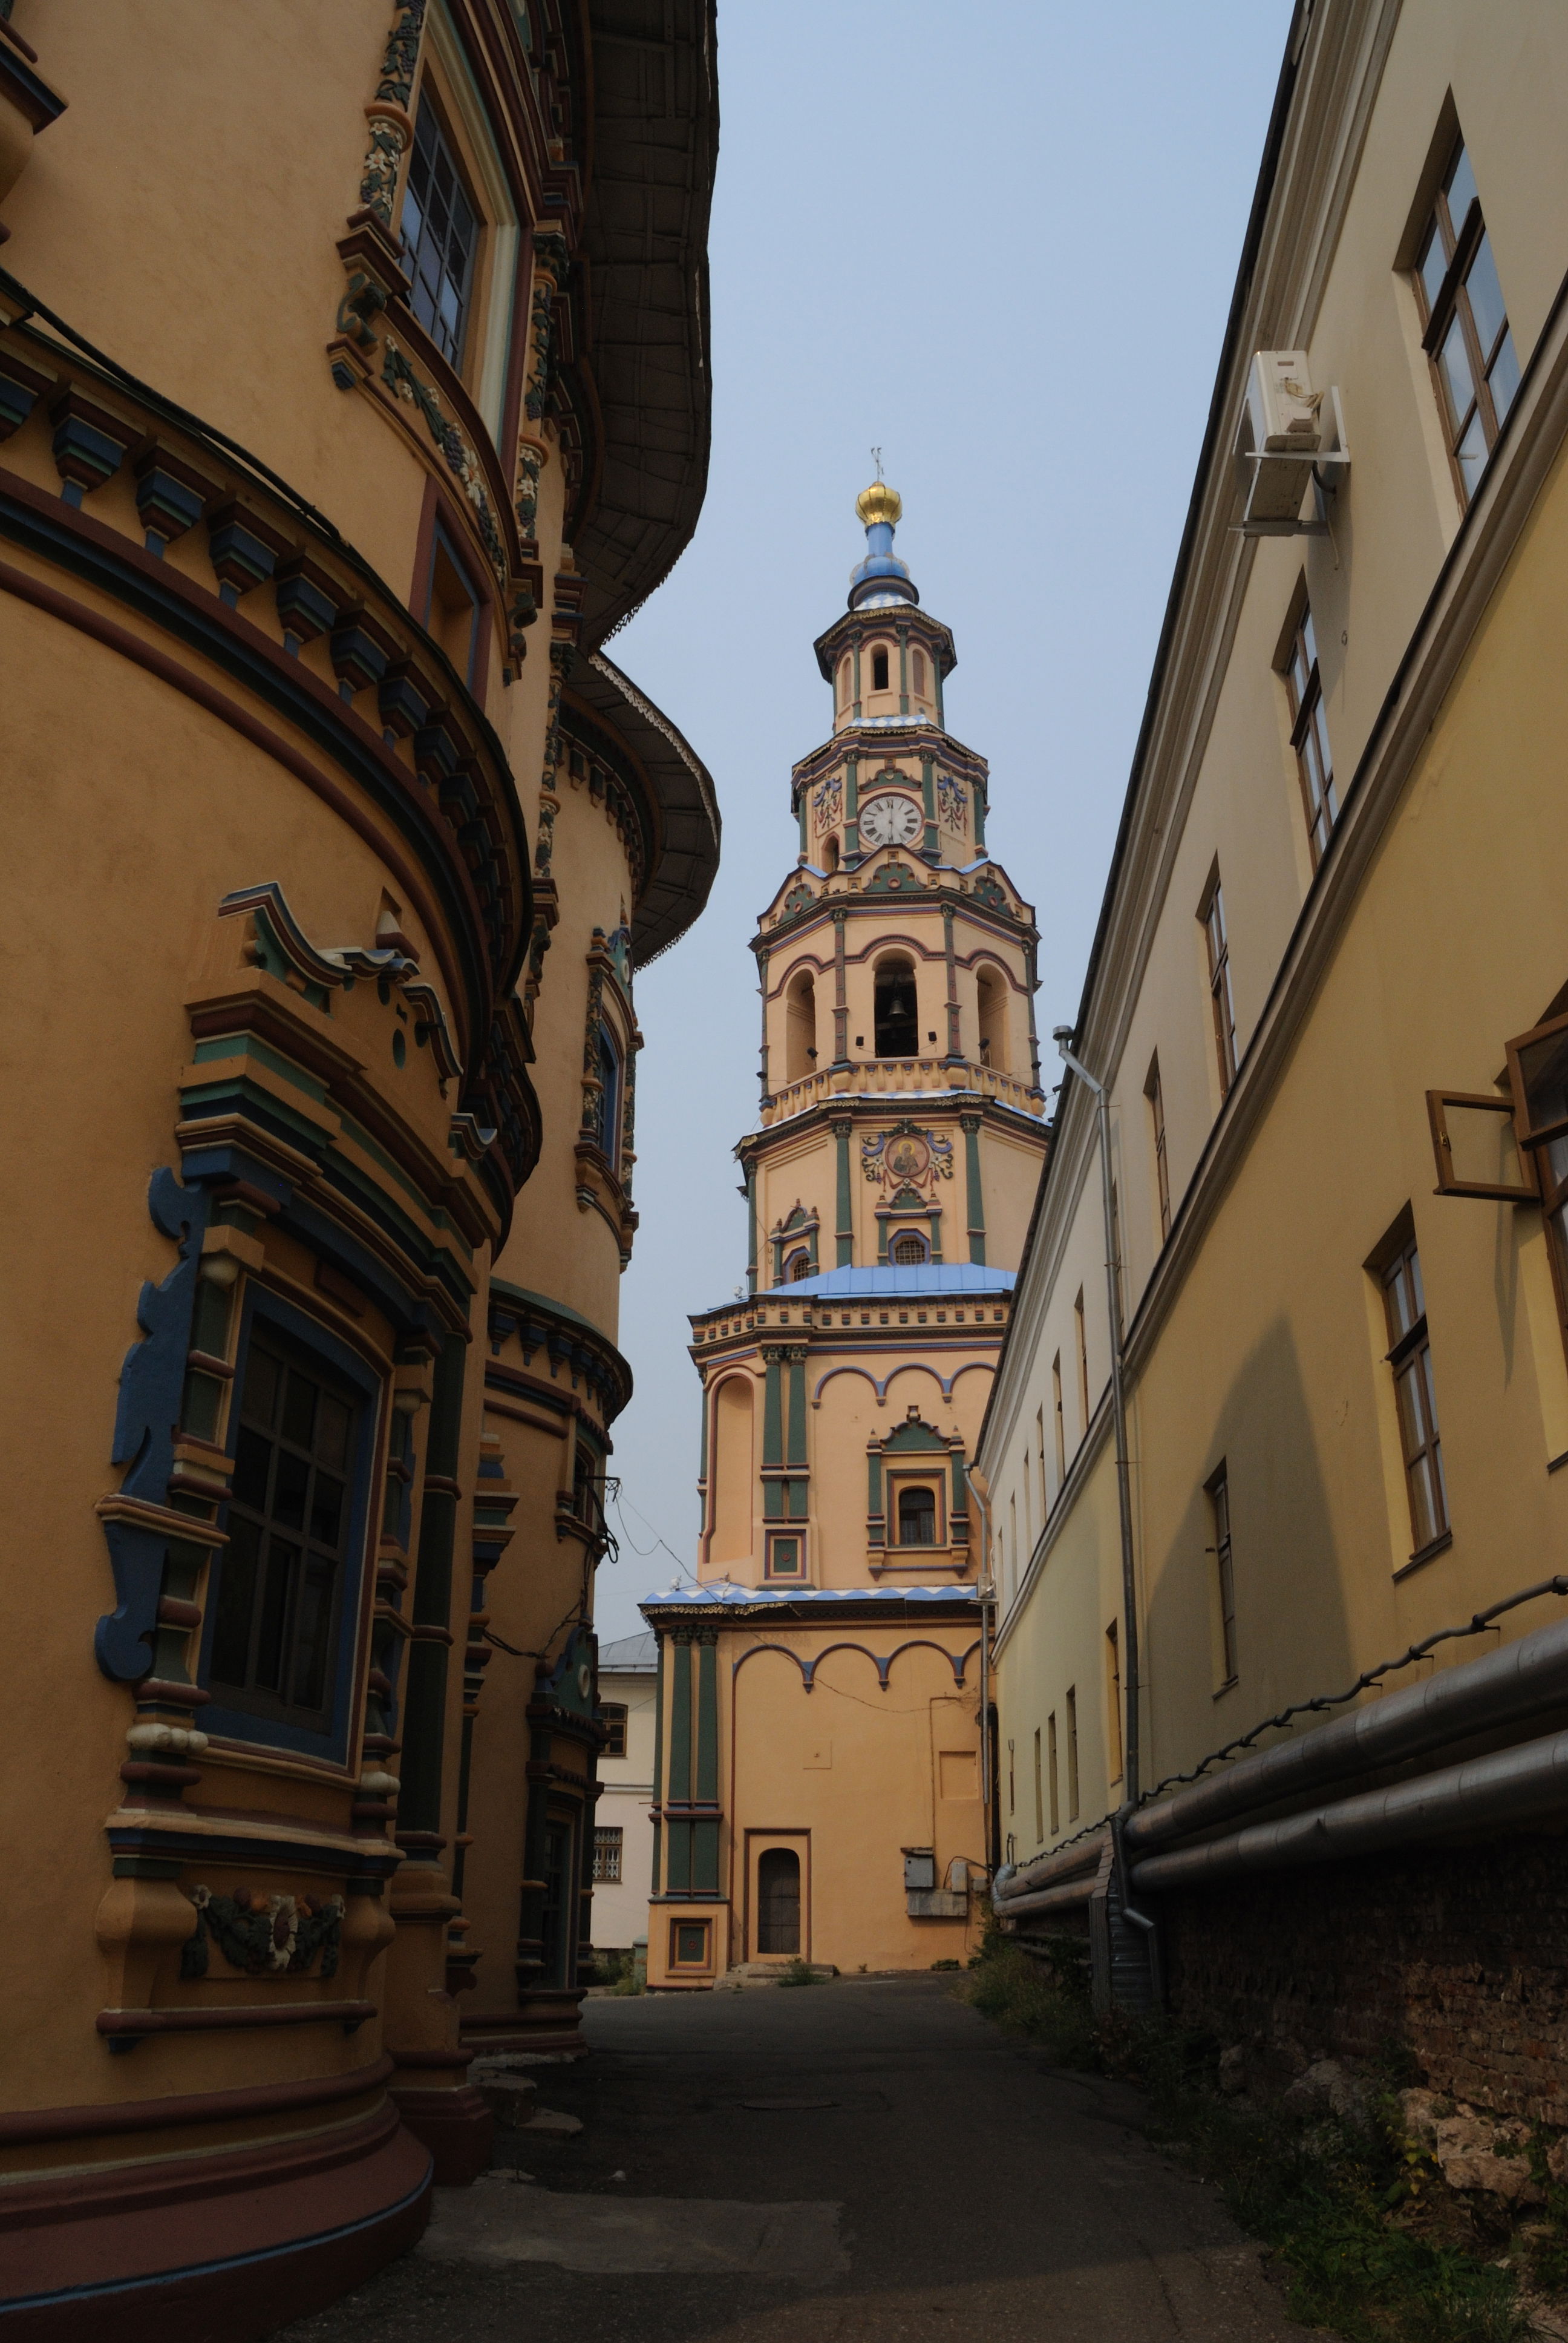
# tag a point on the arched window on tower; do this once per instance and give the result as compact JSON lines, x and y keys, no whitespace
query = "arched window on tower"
{"x":830,"y":853}
{"x":844,"y":680}
{"x":879,"y":667}
{"x":908,"y":1250}
{"x":798,"y":1266}
{"x":800,"y":1027}
{"x":991,"y":1003}
{"x":917,"y":1517}
{"x":918,"y":666}
{"x":898,"y":1029}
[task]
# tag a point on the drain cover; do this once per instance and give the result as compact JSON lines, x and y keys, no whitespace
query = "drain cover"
{"x":786,"y":2107}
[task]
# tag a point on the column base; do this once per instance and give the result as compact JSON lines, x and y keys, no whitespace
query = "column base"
{"x":457,"y":2126}
{"x":236,"y":2243}
{"x":545,"y":2024}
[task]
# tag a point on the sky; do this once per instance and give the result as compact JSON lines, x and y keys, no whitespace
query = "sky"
{"x":998,"y":242}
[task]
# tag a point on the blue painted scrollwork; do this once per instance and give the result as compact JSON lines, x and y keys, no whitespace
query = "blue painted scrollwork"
{"x":152,"y":1381}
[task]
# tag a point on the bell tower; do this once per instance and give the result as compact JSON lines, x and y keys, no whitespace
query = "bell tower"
{"x":889,"y":1181}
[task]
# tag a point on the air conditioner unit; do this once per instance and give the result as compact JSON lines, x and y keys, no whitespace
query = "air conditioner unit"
{"x":1285,"y":441}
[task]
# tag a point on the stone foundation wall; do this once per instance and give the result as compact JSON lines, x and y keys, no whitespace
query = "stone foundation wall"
{"x":1461,"y":1954}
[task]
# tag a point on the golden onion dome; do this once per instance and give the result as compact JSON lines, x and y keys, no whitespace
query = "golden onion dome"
{"x":879,"y":502}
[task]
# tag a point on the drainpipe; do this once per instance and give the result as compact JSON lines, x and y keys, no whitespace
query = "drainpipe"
{"x":985,"y":1590}
{"x":1062,"y":1037}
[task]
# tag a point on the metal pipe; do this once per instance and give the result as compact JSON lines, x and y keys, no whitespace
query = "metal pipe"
{"x":1082,"y":1855}
{"x":1521,"y":1680}
{"x":1129,"y":1750}
{"x":985,"y":1590}
{"x":1051,"y":1899}
{"x":1510,"y":1785}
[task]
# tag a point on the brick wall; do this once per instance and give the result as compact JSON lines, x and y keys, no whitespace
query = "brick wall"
{"x":1461,"y":1952}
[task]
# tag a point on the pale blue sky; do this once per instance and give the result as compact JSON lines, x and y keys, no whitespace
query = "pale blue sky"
{"x":998,"y":240}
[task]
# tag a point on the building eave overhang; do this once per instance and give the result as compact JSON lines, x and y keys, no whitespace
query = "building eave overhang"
{"x":686,"y":859}
{"x":655,"y":147}
{"x":722,"y":1604}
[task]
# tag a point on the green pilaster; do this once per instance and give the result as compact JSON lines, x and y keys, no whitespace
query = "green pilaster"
{"x":772,"y":1410}
{"x":942,"y":705}
{"x":929,"y":795}
{"x":845,"y":1233}
{"x":797,"y":1455}
{"x":681,"y":1727}
{"x":903,"y":670}
{"x":973,"y":1197}
{"x":805,"y":809}
{"x":679,"y":1874}
{"x":840,"y":997}
{"x":707,"y":1721}
{"x":960,"y":1489}
{"x":750,"y":1225}
{"x":657,"y":1760}
{"x":856,"y":681}
{"x":874,"y":1478}
{"x":852,"y":765}
{"x":762,"y":1053}
{"x":979,"y":817}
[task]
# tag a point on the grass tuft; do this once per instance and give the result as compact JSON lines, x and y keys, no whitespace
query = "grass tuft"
{"x":1368,"y":2242}
{"x":798,"y":1972}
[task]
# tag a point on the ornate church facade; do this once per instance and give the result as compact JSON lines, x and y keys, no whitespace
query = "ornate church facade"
{"x":823,"y":1781}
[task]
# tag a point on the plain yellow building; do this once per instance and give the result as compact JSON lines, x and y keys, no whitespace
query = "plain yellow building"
{"x":1336,"y":892}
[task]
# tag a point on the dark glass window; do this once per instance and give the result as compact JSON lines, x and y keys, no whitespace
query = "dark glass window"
{"x":879,"y":670}
{"x":1467,"y":332}
{"x":1310,"y":737}
{"x":614,"y":1717}
{"x":440,"y":236}
{"x":608,"y":1132}
{"x":280,"y":1582}
{"x":917,"y":1517}
{"x":1410,"y":1357}
{"x":1224,"y":1572}
{"x":1222,"y":1000}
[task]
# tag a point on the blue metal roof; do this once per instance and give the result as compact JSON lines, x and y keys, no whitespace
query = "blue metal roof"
{"x":931,"y":1277}
{"x":725,"y":1593}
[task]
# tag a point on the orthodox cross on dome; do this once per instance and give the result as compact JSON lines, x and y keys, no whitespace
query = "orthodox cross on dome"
{"x":877,"y":460}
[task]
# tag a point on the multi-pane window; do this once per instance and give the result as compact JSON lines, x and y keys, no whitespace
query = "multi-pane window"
{"x":1224,"y":1573}
{"x":440,"y":236}
{"x":607,"y":1852}
{"x":1410,"y":1357}
{"x":1222,"y":1000}
{"x":280,"y":1583}
{"x":614,"y":1715}
{"x":1154,"y":1092}
{"x":1467,"y":335}
{"x":1310,"y":737}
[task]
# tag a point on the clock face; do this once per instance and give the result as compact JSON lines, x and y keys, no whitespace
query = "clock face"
{"x":889,"y":821}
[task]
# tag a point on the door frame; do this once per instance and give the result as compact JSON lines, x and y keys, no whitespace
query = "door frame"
{"x":758,"y":1843}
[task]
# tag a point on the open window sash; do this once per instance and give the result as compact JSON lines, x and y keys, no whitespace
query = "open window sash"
{"x":1538,"y":1078}
{"x":1476,"y":1140}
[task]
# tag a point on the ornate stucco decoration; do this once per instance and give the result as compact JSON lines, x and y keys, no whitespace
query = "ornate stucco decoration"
{"x":391,"y":130}
{"x":461,"y":461}
{"x":265,"y":1936}
{"x":952,"y":802}
{"x":905,"y":1157}
{"x":827,"y":805}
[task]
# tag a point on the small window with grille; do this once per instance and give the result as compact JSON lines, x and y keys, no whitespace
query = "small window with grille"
{"x":607,"y":1853}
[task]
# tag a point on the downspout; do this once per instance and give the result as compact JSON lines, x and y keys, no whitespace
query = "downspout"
{"x":986,"y":1591}
{"x":1129,"y":1749}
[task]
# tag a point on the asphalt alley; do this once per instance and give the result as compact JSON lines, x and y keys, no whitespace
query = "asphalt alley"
{"x":858,"y":2161}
